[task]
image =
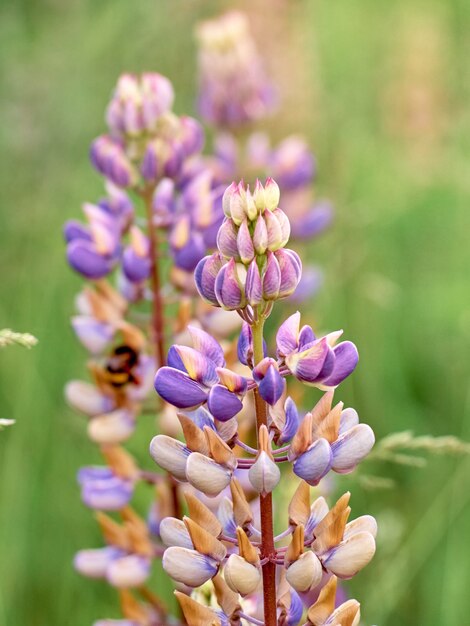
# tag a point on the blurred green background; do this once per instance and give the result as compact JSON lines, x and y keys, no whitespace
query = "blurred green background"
{"x":388,"y":117}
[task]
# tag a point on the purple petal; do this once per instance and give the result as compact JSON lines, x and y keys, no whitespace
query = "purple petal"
{"x":108,"y":493}
{"x":346,"y":359}
{"x":272,"y":386}
{"x":92,"y":333}
{"x":76,"y":230}
{"x":174,"y":360}
{"x":292,"y":421}
{"x":315,"y":463}
{"x":234,"y":382}
{"x":291,"y":271}
{"x":306,"y":336}
{"x":245,"y":243}
{"x":227,"y":239}
{"x":205,"y":275}
{"x":271,"y":278}
{"x":136,"y":268}
{"x":296,"y":609}
{"x":287,"y":336}
{"x":310,"y":282}
{"x":293,"y":164}
{"x":227,"y":288}
{"x":197,"y":365}
{"x":253,"y":286}
{"x":245,"y":344}
{"x":317,"y":219}
{"x":178,"y":388}
{"x":307,"y":365}
{"x":192,"y":135}
{"x":205,"y":343}
{"x":223,"y":404}
{"x":188,"y":256}
{"x":84,"y":258}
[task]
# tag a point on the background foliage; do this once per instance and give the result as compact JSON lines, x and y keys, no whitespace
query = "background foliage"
{"x":389,"y":121}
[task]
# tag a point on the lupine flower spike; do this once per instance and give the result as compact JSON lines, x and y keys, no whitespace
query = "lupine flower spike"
{"x":223,"y":539}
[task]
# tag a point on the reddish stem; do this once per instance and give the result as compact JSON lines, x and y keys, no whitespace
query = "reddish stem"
{"x":268,"y":550}
{"x":157,"y":327}
{"x":157,"y":302}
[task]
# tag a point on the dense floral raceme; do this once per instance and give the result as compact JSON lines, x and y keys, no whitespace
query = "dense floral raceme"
{"x":222,"y":539}
{"x":155,"y":153}
{"x":173,"y":254}
{"x":234,"y":93}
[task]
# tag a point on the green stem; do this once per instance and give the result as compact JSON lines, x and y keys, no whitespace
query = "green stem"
{"x":267,"y":525}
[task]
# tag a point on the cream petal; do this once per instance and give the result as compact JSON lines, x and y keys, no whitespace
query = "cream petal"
{"x":365,"y":523}
{"x":188,"y":566}
{"x":111,"y":428}
{"x":128,"y":571}
{"x":351,"y":555}
{"x":348,"y":419}
{"x":264,"y":474}
{"x":206,"y":475}
{"x":352,"y":447}
{"x":343,"y":615}
{"x":173,"y":532}
{"x":241,"y":576}
{"x":170,"y":454}
{"x":87,"y":398}
{"x":318,"y":510}
{"x":94,"y":563}
{"x":305,"y":573}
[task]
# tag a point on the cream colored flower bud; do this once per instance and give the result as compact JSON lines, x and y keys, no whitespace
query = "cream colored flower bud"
{"x":111,"y":428}
{"x":305,"y":573}
{"x":264,"y":475}
{"x":241,"y":576}
{"x":207,"y":475}
{"x":250,"y":207}
{"x":272,"y":194}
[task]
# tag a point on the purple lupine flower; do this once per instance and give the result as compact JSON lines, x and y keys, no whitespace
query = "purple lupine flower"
{"x":136,"y":258}
{"x":94,"y":563}
{"x":109,"y":159}
{"x":316,"y":362}
{"x":292,"y":163}
{"x":102,"y":489}
{"x":93,"y":250}
{"x":313,"y":222}
{"x":271,"y":385}
{"x":329,"y":438}
{"x":118,"y":205}
{"x":195,"y":376}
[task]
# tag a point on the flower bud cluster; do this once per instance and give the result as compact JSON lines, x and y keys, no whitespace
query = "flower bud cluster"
{"x":157,"y":155}
{"x":252,"y":267}
{"x":233,"y":88}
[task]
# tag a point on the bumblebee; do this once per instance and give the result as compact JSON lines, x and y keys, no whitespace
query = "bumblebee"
{"x":120,"y":367}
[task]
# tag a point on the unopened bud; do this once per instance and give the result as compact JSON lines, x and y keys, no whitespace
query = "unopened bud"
{"x":272,"y":194}
{"x":305,"y":573}
{"x":241,"y":576}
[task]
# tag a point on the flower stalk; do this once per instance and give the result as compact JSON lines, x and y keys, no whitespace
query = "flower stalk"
{"x":266,"y":501}
{"x":157,"y":300}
